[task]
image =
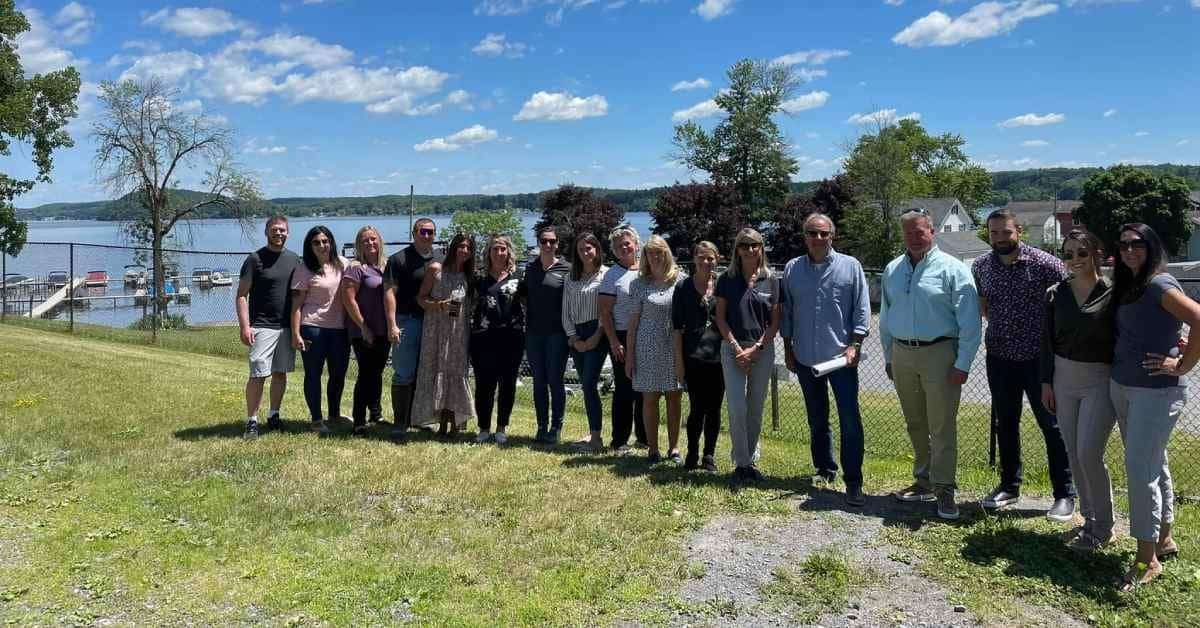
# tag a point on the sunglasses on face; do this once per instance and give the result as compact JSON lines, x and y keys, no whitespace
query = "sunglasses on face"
{"x":549,"y":240}
{"x":428,"y":233}
{"x":1070,"y":255}
{"x":1132,"y":245}
{"x":813,"y":233}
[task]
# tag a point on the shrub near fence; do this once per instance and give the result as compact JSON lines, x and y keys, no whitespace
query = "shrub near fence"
{"x":114,"y":304}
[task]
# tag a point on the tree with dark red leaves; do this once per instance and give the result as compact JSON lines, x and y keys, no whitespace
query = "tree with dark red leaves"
{"x":687,"y":213}
{"x":831,"y":197}
{"x":572,"y":209}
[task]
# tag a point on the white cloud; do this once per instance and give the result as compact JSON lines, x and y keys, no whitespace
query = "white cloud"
{"x":252,"y":147}
{"x":1033,"y":119}
{"x":497,"y":44}
{"x":810,"y":57}
{"x":554,"y":17}
{"x":811,"y":100}
{"x":697,"y":111}
{"x":170,"y":67}
{"x":297,"y":48}
{"x":808,"y":75}
{"x":712,"y":9}
{"x":196,"y":22}
{"x":40,"y":47}
{"x":470,"y":136}
{"x":1186,"y":142}
{"x":893,"y":3}
{"x":1035,"y":143}
{"x":388,"y":90}
{"x":75,"y":22}
{"x":1141,"y":134}
{"x":883,"y":117}
{"x":987,"y":19}
{"x":460,"y":98}
{"x":700,"y":83}
{"x":1112,"y":112}
{"x":558,"y":106}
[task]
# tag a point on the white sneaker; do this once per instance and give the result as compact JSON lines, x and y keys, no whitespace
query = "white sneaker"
{"x":483,"y":437}
{"x":501,"y":438}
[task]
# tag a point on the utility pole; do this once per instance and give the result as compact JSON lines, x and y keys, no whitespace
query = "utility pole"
{"x":411,"y":208}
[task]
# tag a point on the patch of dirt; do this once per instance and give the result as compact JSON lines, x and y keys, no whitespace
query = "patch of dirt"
{"x":732,"y":559}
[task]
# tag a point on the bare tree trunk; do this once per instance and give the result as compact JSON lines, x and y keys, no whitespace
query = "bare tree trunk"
{"x":159,"y":271}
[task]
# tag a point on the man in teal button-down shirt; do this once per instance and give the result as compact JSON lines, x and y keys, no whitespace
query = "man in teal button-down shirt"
{"x":930,"y":328}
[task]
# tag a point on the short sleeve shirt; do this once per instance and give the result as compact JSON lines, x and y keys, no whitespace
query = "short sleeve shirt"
{"x":270,"y":276}
{"x":405,"y":270}
{"x":1143,"y":326}
{"x":543,"y":291}
{"x":321,"y":306}
{"x":1015,"y":296}
{"x":618,"y":282}
{"x":369,"y":297}
{"x":694,"y":317}
{"x":748,"y":310}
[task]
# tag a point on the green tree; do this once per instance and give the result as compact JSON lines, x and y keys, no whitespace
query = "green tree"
{"x":1124,"y":194}
{"x":144,"y":142}
{"x":33,"y":110}
{"x":873,"y":239}
{"x":483,"y":224}
{"x":746,"y":149}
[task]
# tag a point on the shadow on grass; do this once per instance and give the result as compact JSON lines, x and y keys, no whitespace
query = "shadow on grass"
{"x":1043,"y":556}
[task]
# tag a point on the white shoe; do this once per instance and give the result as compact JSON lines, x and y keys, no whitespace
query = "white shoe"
{"x":501,"y":438}
{"x":483,"y":437}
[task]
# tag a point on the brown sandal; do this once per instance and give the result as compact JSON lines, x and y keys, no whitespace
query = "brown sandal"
{"x":1131,"y":581}
{"x":1168,"y":551}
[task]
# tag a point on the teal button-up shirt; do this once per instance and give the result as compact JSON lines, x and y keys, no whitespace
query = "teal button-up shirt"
{"x":935,"y":298}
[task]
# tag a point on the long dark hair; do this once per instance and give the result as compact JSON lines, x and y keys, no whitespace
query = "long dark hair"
{"x":577,"y":262}
{"x":310,"y":259}
{"x":1128,"y":287}
{"x":468,"y":267}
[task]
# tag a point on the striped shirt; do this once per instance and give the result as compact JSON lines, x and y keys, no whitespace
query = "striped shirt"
{"x":617,"y":283}
{"x":579,"y":300}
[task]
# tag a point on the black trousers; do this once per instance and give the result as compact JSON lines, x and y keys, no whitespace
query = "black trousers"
{"x":1008,"y":380}
{"x":368,"y":388}
{"x":496,"y":360}
{"x":626,"y":403}
{"x":706,"y":389}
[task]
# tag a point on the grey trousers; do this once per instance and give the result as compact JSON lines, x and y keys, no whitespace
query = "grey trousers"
{"x":1085,"y":417}
{"x":745,"y":396}
{"x":1146,"y":417}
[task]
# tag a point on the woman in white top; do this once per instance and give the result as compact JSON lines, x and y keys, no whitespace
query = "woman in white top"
{"x":318,"y":324}
{"x":588,"y":345}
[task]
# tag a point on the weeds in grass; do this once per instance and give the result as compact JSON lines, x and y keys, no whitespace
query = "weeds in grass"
{"x":821,"y":585}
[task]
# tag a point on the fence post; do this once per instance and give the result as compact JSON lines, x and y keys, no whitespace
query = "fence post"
{"x":4,"y":290}
{"x":71,"y":288}
{"x":774,"y":398}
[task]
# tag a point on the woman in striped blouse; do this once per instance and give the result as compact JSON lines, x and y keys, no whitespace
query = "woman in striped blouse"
{"x":584,"y":336}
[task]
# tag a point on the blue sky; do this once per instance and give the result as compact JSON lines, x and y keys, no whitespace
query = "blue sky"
{"x":355,"y":98}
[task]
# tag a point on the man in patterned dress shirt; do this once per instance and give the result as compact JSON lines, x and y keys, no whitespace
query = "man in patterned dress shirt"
{"x":1012,"y":282}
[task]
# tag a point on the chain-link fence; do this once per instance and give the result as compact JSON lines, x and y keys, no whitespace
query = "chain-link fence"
{"x":110,"y":286}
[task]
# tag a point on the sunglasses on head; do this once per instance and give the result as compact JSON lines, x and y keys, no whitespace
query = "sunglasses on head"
{"x":1131,"y":245}
{"x":1070,"y":255}
{"x":427,"y":232}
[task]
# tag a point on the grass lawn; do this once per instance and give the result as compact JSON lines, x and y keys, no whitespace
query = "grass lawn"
{"x":127,"y":494}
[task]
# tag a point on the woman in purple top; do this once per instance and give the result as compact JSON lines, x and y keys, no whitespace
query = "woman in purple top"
{"x":1148,"y":390}
{"x":362,"y":296}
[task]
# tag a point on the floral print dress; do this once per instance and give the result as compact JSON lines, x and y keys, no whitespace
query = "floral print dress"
{"x":442,"y":374}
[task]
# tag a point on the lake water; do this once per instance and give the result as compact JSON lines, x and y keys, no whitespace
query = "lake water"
{"x":223,"y":244}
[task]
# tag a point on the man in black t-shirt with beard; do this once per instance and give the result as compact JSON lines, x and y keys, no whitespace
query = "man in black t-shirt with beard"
{"x":402,"y":279}
{"x":263,"y":308}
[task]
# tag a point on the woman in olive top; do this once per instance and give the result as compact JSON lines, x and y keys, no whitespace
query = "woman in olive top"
{"x":1148,"y":390}
{"x":497,"y":338}
{"x":748,"y":316}
{"x":318,"y":323}
{"x":584,"y":336}
{"x":1076,"y":364}
{"x":698,"y":354}
{"x":362,"y":296}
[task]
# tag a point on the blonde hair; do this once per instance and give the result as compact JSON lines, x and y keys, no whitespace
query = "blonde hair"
{"x":360,"y":255}
{"x":656,"y":243}
{"x":499,"y":238}
{"x":624,"y":231}
{"x":748,"y":236}
{"x":707,"y":246}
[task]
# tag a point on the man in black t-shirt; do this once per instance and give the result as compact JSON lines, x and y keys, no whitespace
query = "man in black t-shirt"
{"x":402,"y":279}
{"x":263,"y":307}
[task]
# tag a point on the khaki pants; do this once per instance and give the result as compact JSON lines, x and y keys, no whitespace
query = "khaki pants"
{"x":930,"y":406}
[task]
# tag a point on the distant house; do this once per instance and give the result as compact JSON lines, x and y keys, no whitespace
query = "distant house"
{"x":965,"y":245}
{"x":946,"y":214}
{"x":1193,"y":247}
{"x":1044,"y":222}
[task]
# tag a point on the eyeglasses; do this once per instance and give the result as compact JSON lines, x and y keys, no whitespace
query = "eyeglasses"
{"x":813,"y":233}
{"x":1081,"y":254}
{"x":428,"y":233}
{"x":1130,"y":245}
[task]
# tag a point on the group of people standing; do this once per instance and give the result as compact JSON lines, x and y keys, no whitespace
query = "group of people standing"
{"x":1093,"y":350}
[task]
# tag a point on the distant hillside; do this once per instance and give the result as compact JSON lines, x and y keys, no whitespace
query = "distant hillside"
{"x":1020,"y":185}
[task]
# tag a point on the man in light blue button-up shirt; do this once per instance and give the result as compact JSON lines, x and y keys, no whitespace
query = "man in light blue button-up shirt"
{"x":827,"y":314}
{"x":930,"y":329}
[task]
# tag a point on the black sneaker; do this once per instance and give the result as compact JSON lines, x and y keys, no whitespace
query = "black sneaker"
{"x":692,"y":462}
{"x":1062,"y":511}
{"x":320,"y":428}
{"x":251,"y":432}
{"x":541,"y":435}
{"x":855,"y":497}
{"x":708,"y":464}
{"x":552,"y":436}
{"x":274,"y":423}
{"x":654,"y":458}
{"x":754,"y":474}
{"x":360,"y":430}
{"x":999,"y":498}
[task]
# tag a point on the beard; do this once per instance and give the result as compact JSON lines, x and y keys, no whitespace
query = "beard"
{"x":1005,"y":248}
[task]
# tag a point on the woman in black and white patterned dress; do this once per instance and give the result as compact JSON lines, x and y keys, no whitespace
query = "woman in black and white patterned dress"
{"x":650,"y":359}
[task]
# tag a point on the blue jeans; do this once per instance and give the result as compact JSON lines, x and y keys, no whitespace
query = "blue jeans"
{"x":588,"y":366}
{"x":844,"y":382}
{"x":547,"y":354}
{"x":406,"y":354}
{"x":324,"y":346}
